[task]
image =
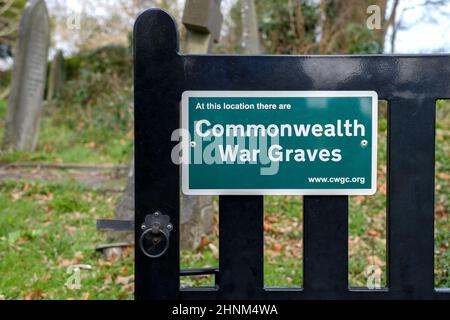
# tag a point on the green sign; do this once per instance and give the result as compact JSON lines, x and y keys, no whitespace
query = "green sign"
{"x":279,"y":142}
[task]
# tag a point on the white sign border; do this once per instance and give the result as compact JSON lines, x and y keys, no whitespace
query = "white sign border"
{"x":267,"y":94}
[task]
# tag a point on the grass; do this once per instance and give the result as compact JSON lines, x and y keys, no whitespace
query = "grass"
{"x":44,"y":229}
{"x":442,"y":196}
{"x":367,"y":222}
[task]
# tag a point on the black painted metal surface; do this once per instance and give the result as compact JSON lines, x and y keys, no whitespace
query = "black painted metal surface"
{"x":410,"y":83}
{"x":115,"y":225}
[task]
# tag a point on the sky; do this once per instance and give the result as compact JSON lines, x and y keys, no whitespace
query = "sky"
{"x":420,"y":35}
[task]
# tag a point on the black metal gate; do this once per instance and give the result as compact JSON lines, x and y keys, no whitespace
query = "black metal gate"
{"x":411,"y":84}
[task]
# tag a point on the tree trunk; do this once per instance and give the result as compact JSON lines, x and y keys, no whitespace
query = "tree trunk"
{"x":250,"y":34}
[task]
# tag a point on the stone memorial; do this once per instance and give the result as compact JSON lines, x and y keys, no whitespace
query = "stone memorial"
{"x":28,"y":81}
{"x":56,"y":76}
{"x":203,"y":21}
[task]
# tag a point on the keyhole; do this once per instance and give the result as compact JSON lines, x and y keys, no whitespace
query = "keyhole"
{"x":156,"y":240}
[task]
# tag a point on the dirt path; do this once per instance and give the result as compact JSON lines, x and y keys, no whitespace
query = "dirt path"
{"x":105,"y":177}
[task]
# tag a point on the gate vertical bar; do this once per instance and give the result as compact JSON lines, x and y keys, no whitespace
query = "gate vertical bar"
{"x":158,"y":85}
{"x":241,"y":249}
{"x":411,"y":197}
{"x":325,"y":234}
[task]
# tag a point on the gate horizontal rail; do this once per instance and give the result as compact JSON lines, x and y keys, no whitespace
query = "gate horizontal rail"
{"x":410,"y":83}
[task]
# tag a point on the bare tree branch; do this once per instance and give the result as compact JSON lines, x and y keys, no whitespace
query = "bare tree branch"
{"x":10,"y":30}
{"x":6,"y":7}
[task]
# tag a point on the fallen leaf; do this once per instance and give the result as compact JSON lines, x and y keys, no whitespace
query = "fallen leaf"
{"x":41,"y":198}
{"x":65,"y":262}
{"x":70,"y":230}
{"x":373,"y":233}
{"x":203,"y":243}
{"x":267,"y":227}
{"x":359,"y":199}
{"x":271,"y":219}
{"x":16,"y":195}
{"x":374,"y":260}
{"x":440,"y":209}
{"x":102,"y":263}
{"x":46,"y":277}
{"x":128,"y":250}
{"x":108,"y":279}
{"x":33,"y":295}
{"x":213,"y":248}
{"x":277,"y":247}
{"x":78,"y":256}
{"x":381,"y":188}
{"x":91,"y":145}
{"x":124,"y":280}
{"x":444,"y":176}
{"x":112,"y":254}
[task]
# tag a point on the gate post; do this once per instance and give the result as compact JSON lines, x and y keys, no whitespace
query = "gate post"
{"x":411,"y":197}
{"x":158,"y":80}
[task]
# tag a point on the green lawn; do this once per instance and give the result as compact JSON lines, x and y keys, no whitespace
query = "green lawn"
{"x":44,"y":229}
{"x":442,"y":196}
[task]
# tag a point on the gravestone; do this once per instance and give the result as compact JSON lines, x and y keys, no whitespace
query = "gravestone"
{"x":56,"y":76}
{"x":202,"y":20}
{"x":124,"y":211}
{"x":28,"y":80}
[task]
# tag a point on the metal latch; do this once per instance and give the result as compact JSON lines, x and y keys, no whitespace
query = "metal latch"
{"x":154,"y":241}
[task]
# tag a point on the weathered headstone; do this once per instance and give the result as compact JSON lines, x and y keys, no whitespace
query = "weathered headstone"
{"x":56,"y":76}
{"x":203,"y":21}
{"x":29,"y":76}
{"x":124,"y":211}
